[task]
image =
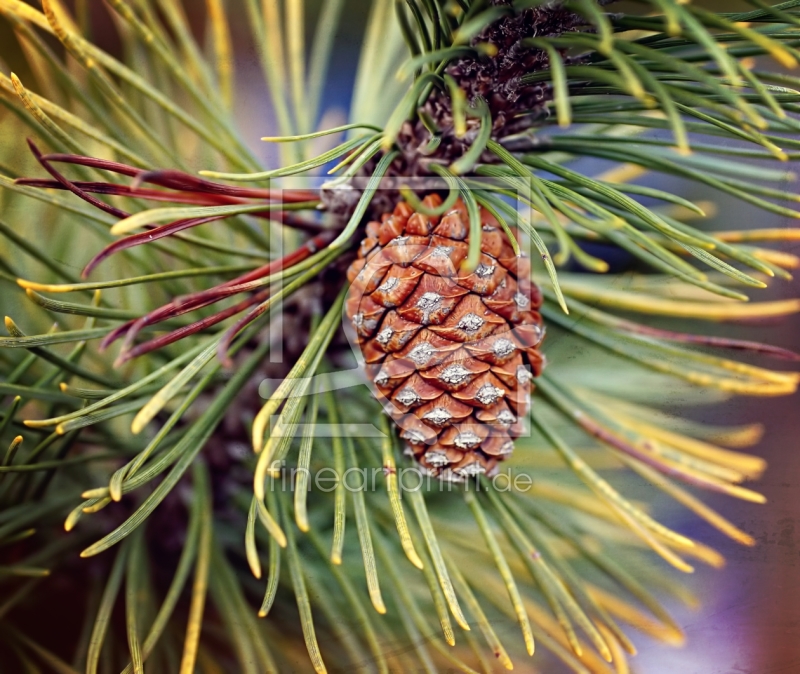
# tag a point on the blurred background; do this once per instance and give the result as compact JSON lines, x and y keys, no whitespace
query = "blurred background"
{"x":749,"y":621}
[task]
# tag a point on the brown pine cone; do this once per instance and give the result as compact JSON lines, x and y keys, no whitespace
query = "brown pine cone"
{"x":451,"y":353}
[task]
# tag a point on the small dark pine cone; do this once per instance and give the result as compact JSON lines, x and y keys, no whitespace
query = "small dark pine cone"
{"x":451,"y":353}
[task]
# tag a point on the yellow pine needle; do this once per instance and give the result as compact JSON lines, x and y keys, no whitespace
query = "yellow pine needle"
{"x":274,"y":566}
{"x":492,"y":589}
{"x":131,"y":223}
{"x":199,"y":591}
{"x":439,"y":601}
{"x":772,"y":47}
{"x":777,"y":257}
{"x":297,"y":381}
{"x":365,"y":541}
{"x":301,"y":488}
{"x":572,"y":497}
{"x":586,"y":623}
{"x":718,"y":484}
{"x":564,"y":622}
{"x":606,"y":492}
{"x":436,"y":591}
{"x":26,"y":12}
{"x":282,"y":433}
{"x":739,"y":437}
{"x":99,"y":492}
{"x":260,"y":425}
{"x":63,"y":15}
{"x":624,"y":173}
{"x":744,"y":494}
{"x":223,"y":51}
{"x":153,"y":406}
{"x":116,"y":482}
{"x":37,"y":423}
{"x":766,"y":234}
{"x":272,"y":22}
{"x":678,"y":212}
{"x":302,"y":598}
{"x":33,"y":108}
{"x":588,"y":658}
{"x":618,"y":656}
{"x":340,"y":493}
{"x":72,"y":518}
{"x":721,"y":486}
{"x":741,"y":388}
{"x":48,"y":287}
{"x":561,"y":601}
{"x":635,"y":617}
{"x":484,"y":625}
{"x":15,"y":443}
{"x":750,"y":466}
{"x":596,"y":457}
{"x":776,"y":151}
{"x":393,"y":491}
{"x":270,"y":524}
{"x":503,"y":567}
{"x":667,"y":453}
{"x":251,"y":550}
{"x":654,"y":543}
{"x":746,"y":436}
{"x":420,"y":510}
{"x":710,"y":311}
{"x":707,"y":555}
{"x":96,"y":507}
{"x":692,"y":503}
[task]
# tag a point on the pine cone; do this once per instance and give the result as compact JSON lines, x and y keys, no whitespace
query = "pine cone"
{"x":451,"y":353}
